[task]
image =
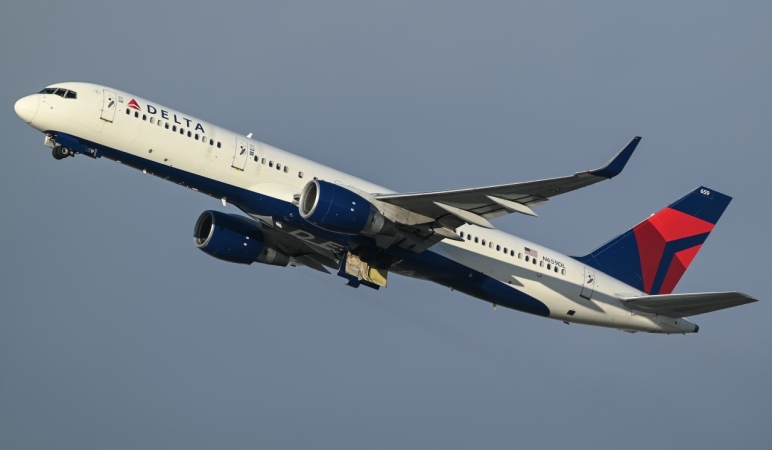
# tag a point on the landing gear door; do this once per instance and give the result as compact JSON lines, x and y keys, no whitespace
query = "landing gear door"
{"x":109,"y":105}
{"x":588,"y":287}
{"x":240,"y":154}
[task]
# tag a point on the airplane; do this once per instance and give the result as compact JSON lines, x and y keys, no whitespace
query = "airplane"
{"x":302,"y":213}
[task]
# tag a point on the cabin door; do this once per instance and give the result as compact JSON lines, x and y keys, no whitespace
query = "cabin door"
{"x":109,"y":105}
{"x":588,"y":287}
{"x":240,"y":154}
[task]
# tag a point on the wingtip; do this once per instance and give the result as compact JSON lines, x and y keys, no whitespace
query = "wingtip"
{"x":618,"y":162}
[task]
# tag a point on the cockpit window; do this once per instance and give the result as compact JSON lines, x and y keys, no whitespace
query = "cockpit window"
{"x":64,"y":93}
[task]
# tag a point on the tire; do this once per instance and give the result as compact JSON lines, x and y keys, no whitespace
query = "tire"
{"x":62,"y":152}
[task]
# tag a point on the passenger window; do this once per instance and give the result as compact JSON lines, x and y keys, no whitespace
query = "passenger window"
{"x":505,"y":250}
{"x":556,"y":269}
{"x":196,"y":138}
{"x":562,"y":271}
{"x":136,"y":114}
{"x":203,"y":139}
{"x":511,"y":253}
{"x":152,"y":120}
{"x":286,"y":169}
{"x":71,"y":94}
{"x":534,"y":260}
{"x":256,"y":158}
{"x":263,"y":161}
{"x":468,"y":237}
{"x":211,"y":141}
{"x":218,"y":145}
{"x":527,"y":258}
{"x":519,"y":256}
{"x":300,"y":174}
{"x":498,"y":248}
{"x":174,"y":128}
{"x":475,"y":240}
{"x":270,"y":164}
{"x":182,"y":132}
{"x":483,"y":242}
{"x":549,"y":267}
{"x":128,"y":111}
{"x":189,"y":133}
{"x":278,"y":166}
{"x":144,"y":117}
{"x":490,"y":245}
{"x":461,"y":234}
{"x":160,"y":123}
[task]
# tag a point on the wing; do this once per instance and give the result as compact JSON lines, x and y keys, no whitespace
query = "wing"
{"x":477,"y":205}
{"x":301,"y":252}
{"x":682,"y":305}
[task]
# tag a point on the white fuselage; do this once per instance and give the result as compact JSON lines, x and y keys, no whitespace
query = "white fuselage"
{"x":573,"y":293}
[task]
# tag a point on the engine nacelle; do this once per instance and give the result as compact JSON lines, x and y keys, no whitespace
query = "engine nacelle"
{"x":335,"y":208}
{"x":234,"y":239}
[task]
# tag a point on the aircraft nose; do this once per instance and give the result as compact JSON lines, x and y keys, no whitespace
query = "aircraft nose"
{"x":27,"y":107}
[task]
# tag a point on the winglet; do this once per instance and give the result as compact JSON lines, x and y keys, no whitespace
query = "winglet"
{"x":617,"y":163}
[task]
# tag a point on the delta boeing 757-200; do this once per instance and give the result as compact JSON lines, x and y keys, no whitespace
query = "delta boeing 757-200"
{"x":302,"y":213}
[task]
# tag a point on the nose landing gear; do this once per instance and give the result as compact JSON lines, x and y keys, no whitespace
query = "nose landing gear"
{"x":60,"y":152}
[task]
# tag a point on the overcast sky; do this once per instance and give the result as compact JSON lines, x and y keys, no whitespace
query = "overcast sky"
{"x":117,"y":333}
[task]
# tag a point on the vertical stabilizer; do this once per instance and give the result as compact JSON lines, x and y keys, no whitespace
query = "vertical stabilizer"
{"x":653,"y":255}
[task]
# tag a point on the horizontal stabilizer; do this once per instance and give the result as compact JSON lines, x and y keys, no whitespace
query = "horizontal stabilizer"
{"x":683,"y":305}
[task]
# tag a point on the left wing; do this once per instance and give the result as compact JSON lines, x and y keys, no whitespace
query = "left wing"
{"x":476,"y":205}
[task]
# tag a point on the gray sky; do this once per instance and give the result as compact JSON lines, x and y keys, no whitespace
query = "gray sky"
{"x":116,"y":332}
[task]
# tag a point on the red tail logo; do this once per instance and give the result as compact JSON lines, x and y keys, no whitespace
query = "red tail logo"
{"x":133,"y":105}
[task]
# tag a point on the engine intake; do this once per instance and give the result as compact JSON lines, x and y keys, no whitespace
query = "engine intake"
{"x":233,"y":238}
{"x":335,"y":208}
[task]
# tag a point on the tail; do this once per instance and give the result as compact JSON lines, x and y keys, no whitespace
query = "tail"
{"x":653,"y":255}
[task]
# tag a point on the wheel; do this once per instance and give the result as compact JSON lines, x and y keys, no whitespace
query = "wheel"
{"x":58,"y":153}
{"x":366,"y":255}
{"x":383,"y":262}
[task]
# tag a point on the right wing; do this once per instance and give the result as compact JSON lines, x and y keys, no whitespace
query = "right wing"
{"x":426,"y":218}
{"x":682,"y":305}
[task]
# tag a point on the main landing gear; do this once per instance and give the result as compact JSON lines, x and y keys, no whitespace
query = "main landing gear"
{"x":374,"y":258}
{"x":60,"y":152}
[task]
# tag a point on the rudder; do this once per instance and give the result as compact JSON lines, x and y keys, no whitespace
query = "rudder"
{"x":653,"y":255}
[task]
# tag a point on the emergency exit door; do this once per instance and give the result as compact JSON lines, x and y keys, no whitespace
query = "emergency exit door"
{"x":109,"y":105}
{"x":240,"y":154}
{"x":588,"y":287}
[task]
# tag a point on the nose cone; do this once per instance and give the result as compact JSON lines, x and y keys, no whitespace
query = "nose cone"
{"x":27,"y":107}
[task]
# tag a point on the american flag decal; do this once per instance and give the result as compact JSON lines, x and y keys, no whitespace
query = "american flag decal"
{"x":530,"y":252}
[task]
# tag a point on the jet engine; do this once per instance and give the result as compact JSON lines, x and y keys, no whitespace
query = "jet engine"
{"x":235,"y":239}
{"x":335,"y":208}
